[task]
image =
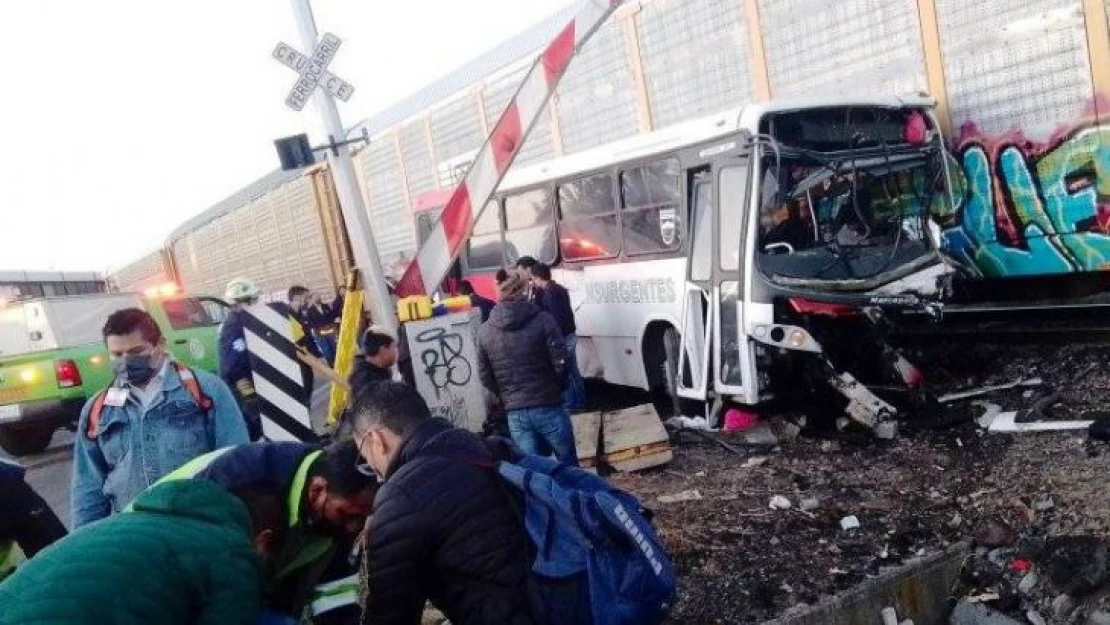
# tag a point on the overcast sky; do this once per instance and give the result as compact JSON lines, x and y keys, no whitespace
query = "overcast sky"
{"x":120,"y":119}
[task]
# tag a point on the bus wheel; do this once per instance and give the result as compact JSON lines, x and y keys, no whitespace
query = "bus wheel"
{"x":661,"y":358}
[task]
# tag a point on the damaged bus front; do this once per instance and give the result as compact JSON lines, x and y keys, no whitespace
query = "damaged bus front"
{"x":823,"y":231}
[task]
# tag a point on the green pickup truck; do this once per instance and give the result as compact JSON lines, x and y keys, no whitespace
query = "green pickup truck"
{"x":52,"y":356}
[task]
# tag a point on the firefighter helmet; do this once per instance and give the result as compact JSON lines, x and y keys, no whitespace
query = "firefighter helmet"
{"x":241,"y":290}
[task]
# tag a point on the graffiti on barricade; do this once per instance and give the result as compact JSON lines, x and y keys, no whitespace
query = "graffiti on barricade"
{"x":442,"y":356}
{"x":1024,"y":207}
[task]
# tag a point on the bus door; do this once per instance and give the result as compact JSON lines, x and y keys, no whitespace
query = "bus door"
{"x":697,"y":314}
{"x":733,"y":353}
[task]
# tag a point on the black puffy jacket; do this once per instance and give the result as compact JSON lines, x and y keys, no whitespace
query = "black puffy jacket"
{"x":366,"y":373}
{"x":521,"y":356}
{"x":445,"y":529}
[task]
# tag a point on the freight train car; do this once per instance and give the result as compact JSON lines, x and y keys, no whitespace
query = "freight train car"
{"x":282,"y":230}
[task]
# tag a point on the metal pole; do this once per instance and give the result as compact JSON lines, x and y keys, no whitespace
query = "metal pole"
{"x":351,"y":205}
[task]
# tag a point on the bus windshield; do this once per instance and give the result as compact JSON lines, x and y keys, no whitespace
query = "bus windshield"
{"x":848,"y":214}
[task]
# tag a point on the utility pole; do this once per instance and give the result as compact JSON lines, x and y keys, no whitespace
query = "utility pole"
{"x":353,"y":208}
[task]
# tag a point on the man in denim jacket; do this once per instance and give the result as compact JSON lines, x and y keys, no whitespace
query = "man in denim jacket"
{"x":147,"y":423}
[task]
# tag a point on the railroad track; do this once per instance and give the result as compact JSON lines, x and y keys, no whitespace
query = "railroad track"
{"x":1034,"y":323}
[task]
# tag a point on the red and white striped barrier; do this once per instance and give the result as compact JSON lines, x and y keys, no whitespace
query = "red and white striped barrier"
{"x":443,"y":245}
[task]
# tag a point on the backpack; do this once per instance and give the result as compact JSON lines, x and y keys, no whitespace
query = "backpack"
{"x":188,"y":380}
{"x":598,"y":560}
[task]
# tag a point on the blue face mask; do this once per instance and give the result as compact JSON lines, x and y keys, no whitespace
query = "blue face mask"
{"x":135,"y":369}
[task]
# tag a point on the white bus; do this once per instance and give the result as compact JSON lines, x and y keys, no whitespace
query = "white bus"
{"x":718,"y":259}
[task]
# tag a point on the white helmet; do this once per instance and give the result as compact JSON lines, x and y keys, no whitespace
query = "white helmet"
{"x":241,"y":290}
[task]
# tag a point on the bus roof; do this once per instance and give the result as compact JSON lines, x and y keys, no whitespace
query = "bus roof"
{"x":687,"y":134}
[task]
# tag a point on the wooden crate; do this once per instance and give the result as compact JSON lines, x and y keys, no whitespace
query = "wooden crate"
{"x":634,"y":438}
{"x":586,"y":427}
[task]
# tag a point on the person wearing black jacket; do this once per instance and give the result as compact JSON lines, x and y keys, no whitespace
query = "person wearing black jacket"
{"x":379,"y":354}
{"x":295,"y":311}
{"x":555,"y":299}
{"x":443,"y":528}
{"x":337,"y":303}
{"x":521,"y":360}
{"x":26,"y":520}
{"x":483,"y":304}
{"x":524,"y":266}
{"x":324,"y":326}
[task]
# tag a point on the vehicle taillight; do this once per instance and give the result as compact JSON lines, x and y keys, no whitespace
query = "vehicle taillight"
{"x":67,"y":373}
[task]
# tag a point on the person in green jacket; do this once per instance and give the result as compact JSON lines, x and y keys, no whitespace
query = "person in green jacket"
{"x":188,"y":553}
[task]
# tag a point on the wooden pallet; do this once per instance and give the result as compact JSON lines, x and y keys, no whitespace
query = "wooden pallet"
{"x":633,"y":438}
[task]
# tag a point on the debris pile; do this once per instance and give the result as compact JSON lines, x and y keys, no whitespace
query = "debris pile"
{"x":768,"y":532}
{"x":1039,"y":384}
{"x":781,"y":516}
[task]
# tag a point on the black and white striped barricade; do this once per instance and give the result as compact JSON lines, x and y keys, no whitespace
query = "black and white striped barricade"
{"x":283,"y":382}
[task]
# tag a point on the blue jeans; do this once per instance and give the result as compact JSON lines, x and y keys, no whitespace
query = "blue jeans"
{"x":574,"y":395}
{"x":327,"y":345}
{"x":540,"y":431}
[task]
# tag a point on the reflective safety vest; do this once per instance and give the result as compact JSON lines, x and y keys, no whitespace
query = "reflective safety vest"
{"x":331,"y":596}
{"x":304,"y":549}
{"x":191,"y":469}
{"x":10,"y":557}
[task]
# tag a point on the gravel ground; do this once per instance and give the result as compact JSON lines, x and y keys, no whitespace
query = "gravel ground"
{"x":741,"y":561}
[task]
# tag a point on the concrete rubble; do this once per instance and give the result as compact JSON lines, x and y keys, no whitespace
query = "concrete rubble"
{"x":766,"y":538}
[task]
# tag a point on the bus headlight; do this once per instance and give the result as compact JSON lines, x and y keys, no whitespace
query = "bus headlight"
{"x":786,"y":337}
{"x":797,"y":338}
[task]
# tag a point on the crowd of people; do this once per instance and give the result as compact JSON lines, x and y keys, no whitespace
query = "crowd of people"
{"x":183,"y":513}
{"x":223,"y":530}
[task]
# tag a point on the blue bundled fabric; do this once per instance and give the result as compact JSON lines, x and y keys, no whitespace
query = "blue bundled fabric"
{"x":598,"y":559}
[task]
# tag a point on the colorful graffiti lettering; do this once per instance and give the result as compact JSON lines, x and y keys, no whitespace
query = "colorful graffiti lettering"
{"x":1028,"y":208}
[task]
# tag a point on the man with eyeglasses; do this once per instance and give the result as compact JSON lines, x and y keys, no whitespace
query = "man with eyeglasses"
{"x":443,"y":528}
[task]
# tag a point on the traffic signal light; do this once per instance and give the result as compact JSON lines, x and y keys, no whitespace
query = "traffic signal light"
{"x":294,"y":152}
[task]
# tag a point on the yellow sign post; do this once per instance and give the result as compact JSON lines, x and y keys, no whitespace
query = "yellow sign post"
{"x":347,"y":344}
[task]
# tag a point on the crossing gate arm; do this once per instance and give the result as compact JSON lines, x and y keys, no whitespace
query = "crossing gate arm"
{"x":456,"y":222}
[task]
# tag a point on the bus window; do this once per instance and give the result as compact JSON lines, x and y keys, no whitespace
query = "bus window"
{"x":730,"y":372}
{"x":530,"y":226}
{"x":701,"y":257}
{"x":588,"y":226}
{"x":484,"y":249}
{"x":651,"y":221}
{"x":731,"y":186}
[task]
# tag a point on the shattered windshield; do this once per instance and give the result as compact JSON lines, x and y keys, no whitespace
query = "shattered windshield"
{"x":849,"y":214}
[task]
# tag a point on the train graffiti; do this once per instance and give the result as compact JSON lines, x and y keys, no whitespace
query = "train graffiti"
{"x":1022,"y":207}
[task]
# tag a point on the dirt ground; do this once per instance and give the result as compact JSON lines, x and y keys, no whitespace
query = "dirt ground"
{"x":941,"y":481}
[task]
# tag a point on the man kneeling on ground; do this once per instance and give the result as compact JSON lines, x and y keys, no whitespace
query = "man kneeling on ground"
{"x":326,"y":502}
{"x":443,"y":528}
{"x":189,"y":552}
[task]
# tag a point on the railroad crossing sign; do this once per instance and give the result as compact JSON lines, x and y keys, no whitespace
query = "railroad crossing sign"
{"x":313,"y":71}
